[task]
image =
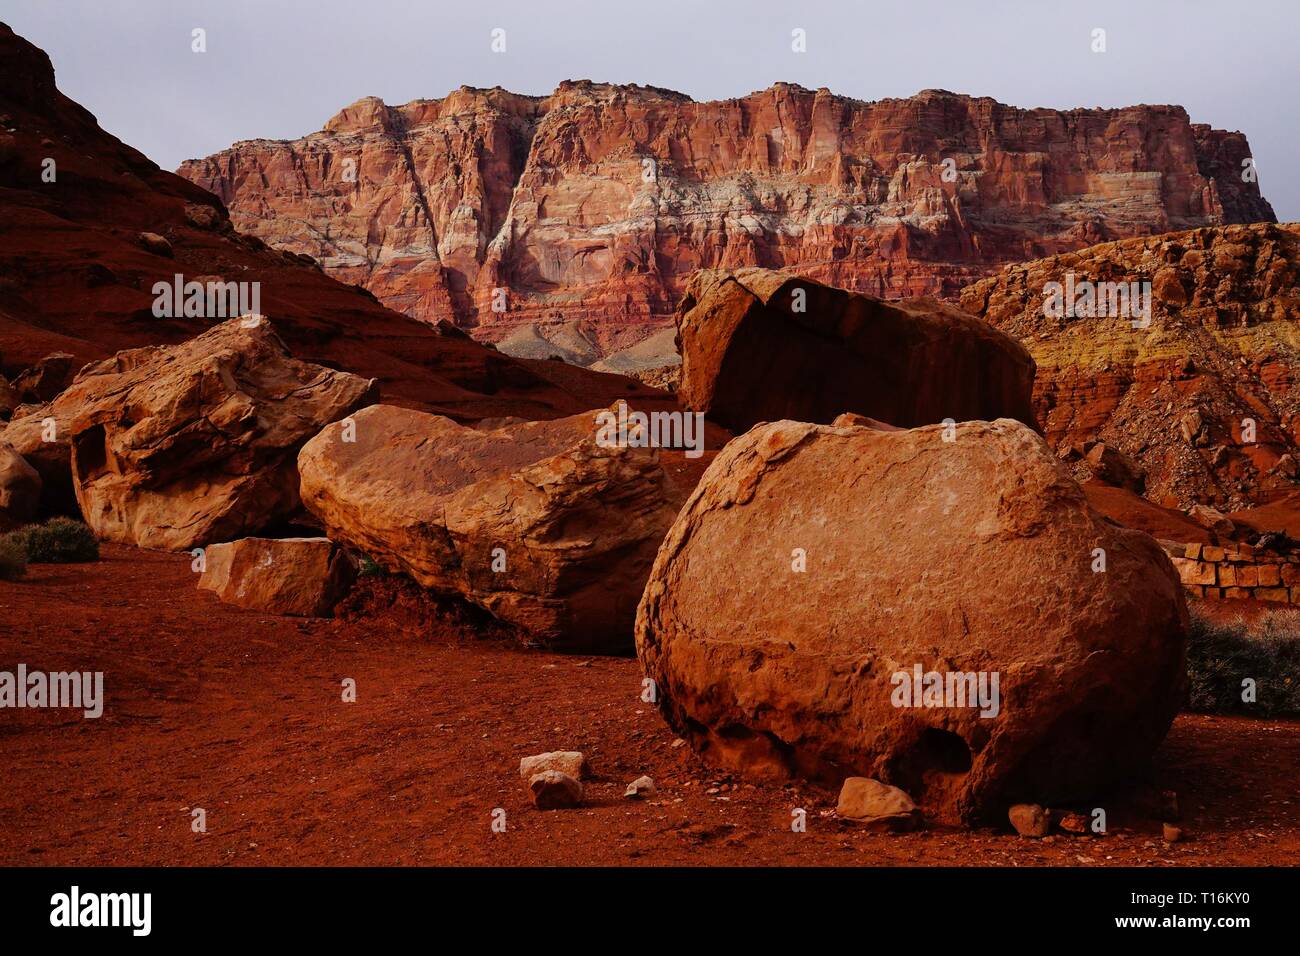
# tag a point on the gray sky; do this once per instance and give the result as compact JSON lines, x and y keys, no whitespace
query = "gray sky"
{"x":280,"y":68}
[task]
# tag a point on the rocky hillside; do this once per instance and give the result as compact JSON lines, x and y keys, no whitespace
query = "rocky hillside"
{"x":1178,"y":395}
{"x":88,"y":225}
{"x":588,"y":208}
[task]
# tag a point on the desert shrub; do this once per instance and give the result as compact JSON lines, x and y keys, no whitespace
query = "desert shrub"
{"x":1220,"y":655}
{"x":58,"y":541}
{"x":13,"y":561}
{"x":368,"y":567}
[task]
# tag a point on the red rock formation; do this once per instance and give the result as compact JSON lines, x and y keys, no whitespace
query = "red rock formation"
{"x":76,"y":276}
{"x":1220,"y":351}
{"x":592,"y":205}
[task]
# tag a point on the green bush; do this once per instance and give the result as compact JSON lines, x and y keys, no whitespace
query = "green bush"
{"x":368,"y":567}
{"x":1220,"y":656}
{"x":58,"y":541}
{"x":13,"y":561}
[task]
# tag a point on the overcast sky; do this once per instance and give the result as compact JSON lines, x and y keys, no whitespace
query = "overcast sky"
{"x":280,"y":68}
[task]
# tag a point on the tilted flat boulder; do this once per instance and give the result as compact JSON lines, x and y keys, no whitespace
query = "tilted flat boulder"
{"x":540,"y":523}
{"x":20,"y":489}
{"x":185,"y":445}
{"x":920,"y":555}
{"x":761,"y":346}
{"x":305,"y":577}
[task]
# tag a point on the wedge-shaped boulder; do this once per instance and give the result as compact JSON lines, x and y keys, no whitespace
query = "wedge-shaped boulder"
{"x":760,"y":346}
{"x":949,"y":617}
{"x":544,"y":524}
{"x":186,"y":445}
{"x":305,"y":577}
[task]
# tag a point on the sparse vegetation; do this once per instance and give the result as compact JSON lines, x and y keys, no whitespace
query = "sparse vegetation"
{"x":1222,"y":655}
{"x":57,"y":541}
{"x":13,"y":561}
{"x":368,"y":567}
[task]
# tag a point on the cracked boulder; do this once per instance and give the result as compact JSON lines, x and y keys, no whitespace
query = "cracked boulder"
{"x":186,"y":445}
{"x":822,"y":578}
{"x":543,"y":524}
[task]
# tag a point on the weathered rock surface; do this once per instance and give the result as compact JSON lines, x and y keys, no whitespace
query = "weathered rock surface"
{"x":188,"y":445}
{"x":536,"y":522}
{"x":594,"y":204}
{"x":20,"y":489}
{"x":877,"y":805}
{"x":1181,"y":395}
{"x":305,"y":577}
{"x":975,"y":555}
{"x":761,"y":346}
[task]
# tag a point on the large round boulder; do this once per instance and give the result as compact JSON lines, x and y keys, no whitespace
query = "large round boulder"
{"x":936,"y":608}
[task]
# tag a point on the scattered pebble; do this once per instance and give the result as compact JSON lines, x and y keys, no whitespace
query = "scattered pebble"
{"x":640,"y":787}
{"x":1030,"y":820}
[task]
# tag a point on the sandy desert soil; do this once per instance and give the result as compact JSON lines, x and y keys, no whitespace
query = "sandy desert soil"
{"x":240,"y":713}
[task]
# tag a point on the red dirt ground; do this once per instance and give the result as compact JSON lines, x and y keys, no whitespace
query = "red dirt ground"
{"x":240,"y":713}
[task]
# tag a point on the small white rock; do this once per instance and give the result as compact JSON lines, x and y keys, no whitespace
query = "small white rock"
{"x":641,"y":787}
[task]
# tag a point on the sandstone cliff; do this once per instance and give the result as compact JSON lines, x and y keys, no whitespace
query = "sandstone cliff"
{"x":1204,"y":397}
{"x":590,"y":207}
{"x":88,"y":225}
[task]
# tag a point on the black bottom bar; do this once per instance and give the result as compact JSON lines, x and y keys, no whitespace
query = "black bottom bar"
{"x":331,"y":905}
